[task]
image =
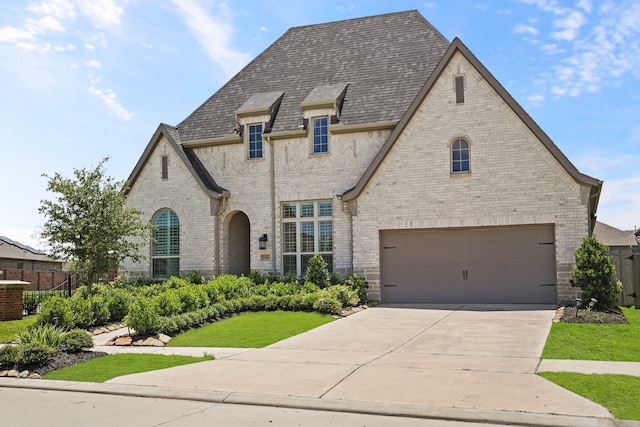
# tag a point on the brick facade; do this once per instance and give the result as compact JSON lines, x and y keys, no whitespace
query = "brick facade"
{"x":11,"y":299}
{"x":517,"y":176}
{"x":514,"y":179}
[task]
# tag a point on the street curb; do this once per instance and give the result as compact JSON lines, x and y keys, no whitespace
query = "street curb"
{"x":334,"y":405}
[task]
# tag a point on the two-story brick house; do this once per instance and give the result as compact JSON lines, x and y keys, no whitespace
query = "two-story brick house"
{"x":377,"y":143}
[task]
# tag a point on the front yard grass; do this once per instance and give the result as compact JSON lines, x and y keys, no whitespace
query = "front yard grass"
{"x":618,"y":393}
{"x":101,"y":369}
{"x":9,"y":329}
{"x":577,"y":341}
{"x":251,"y":330}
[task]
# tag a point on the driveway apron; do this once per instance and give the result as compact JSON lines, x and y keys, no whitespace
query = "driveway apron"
{"x":470,"y":356}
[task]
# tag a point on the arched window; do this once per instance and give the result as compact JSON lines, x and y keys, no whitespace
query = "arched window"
{"x":165,"y":251}
{"x":460,"y":156}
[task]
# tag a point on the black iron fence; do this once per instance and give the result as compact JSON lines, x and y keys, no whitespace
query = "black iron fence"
{"x":31,"y":300}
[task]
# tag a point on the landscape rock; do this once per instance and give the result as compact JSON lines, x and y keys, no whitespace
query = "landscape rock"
{"x":4,"y":373}
{"x":34,"y":376}
{"x":138,"y":343}
{"x":23,"y":374}
{"x":13,"y":373}
{"x":153,"y":342}
{"x":123,"y":341}
{"x":164,"y":338}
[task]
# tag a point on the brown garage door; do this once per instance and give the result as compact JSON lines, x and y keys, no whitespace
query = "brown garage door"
{"x":483,"y":265}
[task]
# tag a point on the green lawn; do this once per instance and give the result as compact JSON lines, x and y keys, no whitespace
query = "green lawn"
{"x":596,"y":341}
{"x":251,"y":330}
{"x":9,"y":329}
{"x":618,"y":393}
{"x":104,"y":368}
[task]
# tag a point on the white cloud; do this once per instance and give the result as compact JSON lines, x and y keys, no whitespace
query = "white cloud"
{"x":60,"y":9}
{"x":525,"y":29}
{"x":213,"y":33}
{"x":569,"y":25}
{"x":536,"y":99}
{"x":43,"y":25}
{"x":102,"y":13}
{"x":13,"y":34}
{"x":594,"y":46}
{"x":110,"y":99}
{"x":93,"y":64}
{"x":89,"y":47}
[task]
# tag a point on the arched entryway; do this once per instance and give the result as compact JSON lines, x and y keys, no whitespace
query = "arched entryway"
{"x":239,"y":246}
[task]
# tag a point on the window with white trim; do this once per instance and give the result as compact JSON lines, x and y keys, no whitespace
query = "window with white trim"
{"x":320,"y":135}
{"x":307,"y":229}
{"x":255,"y":141}
{"x":165,"y":248}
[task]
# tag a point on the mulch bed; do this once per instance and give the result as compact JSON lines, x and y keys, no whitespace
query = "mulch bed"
{"x":63,"y":360}
{"x":592,"y":316}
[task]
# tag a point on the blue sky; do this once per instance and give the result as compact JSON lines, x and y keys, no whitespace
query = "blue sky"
{"x":85,"y":79}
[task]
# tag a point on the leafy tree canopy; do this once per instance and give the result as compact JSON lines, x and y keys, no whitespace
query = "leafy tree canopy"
{"x":88,"y":222}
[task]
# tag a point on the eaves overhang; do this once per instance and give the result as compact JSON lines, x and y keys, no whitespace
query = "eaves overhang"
{"x":189,"y":159}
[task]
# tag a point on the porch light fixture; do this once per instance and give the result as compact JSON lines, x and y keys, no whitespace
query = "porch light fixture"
{"x":262,"y":242}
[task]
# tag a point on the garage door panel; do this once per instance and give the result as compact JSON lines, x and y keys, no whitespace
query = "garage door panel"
{"x":510,"y":264}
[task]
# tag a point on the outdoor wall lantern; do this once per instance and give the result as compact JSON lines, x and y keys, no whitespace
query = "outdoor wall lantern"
{"x":262,"y":242}
{"x":578,"y":305}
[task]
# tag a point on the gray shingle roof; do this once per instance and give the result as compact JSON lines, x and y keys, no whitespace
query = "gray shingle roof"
{"x":385,"y":60}
{"x":612,"y":236}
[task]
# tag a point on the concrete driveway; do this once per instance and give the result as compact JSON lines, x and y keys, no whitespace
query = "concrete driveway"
{"x":463,"y":356}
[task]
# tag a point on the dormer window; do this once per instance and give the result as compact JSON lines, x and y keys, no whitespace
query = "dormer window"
{"x":320,"y":135}
{"x":255,"y":141}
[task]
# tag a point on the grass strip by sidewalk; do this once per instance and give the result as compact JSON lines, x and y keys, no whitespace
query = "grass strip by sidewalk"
{"x":251,"y":330}
{"x":619,"y":343}
{"x":618,"y":393}
{"x":10,"y":329}
{"x":101,"y":369}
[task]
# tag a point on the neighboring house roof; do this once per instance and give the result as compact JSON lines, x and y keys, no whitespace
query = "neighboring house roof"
{"x":10,"y":249}
{"x":383,"y":59}
{"x":612,"y":236}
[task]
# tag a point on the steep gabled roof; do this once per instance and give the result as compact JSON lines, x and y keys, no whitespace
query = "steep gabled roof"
{"x":11,"y":249}
{"x":383,"y":59}
{"x":458,"y":46}
{"x":190,"y":160}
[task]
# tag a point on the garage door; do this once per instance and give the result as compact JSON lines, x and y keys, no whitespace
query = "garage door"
{"x":483,"y":265}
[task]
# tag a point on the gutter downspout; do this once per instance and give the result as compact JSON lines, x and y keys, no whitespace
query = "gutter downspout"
{"x":273,"y":203}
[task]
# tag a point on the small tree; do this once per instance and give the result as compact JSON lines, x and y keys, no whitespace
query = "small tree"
{"x":594,"y":273}
{"x":317,"y":272}
{"x":89,"y":223}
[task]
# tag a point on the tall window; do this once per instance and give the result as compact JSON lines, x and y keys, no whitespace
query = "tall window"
{"x":459,"y":89}
{"x":320,"y":135}
{"x":165,"y":167}
{"x":165,"y":251}
{"x":307,"y":229}
{"x":460,"y":156}
{"x":255,"y":141}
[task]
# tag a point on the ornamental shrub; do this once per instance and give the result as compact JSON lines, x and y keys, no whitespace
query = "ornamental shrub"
{"x":143,"y":316}
{"x":46,"y":334}
{"x":34,"y":353}
{"x":81,"y":313}
{"x":359,"y":285}
{"x":168,"y":303}
{"x":327,"y":306}
{"x":317,"y":272}
{"x":75,"y":340}
{"x":8,"y":356}
{"x":100,"y":310}
{"x":55,"y":311}
{"x":118,"y":301}
{"x":594,"y":273}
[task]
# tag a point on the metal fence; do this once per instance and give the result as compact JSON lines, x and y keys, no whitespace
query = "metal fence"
{"x":31,"y":300}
